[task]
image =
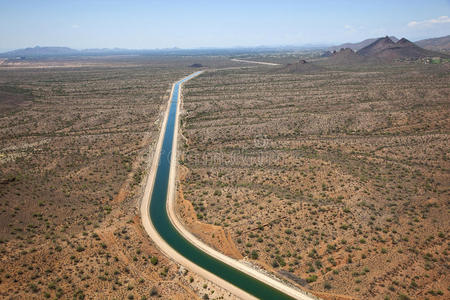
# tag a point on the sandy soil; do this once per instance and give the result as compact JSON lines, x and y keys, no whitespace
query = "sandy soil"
{"x":359,"y":154}
{"x":74,"y":148}
{"x":213,"y":235}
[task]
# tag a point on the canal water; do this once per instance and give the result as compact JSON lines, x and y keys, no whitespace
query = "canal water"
{"x":162,"y":224}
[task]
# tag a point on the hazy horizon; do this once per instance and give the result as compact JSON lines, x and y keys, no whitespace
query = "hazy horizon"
{"x":158,"y":24}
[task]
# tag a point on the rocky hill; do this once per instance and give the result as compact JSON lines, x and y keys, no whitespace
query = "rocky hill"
{"x":346,"y":56}
{"x":386,"y":48}
{"x":358,"y":46}
{"x":376,"y":47}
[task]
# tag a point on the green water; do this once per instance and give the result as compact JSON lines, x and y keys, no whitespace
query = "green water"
{"x":161,"y":222}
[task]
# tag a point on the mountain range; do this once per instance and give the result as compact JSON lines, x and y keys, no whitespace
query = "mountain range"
{"x":435,"y":44}
{"x":40,"y":52}
{"x":386,"y":48}
{"x":382,"y":49}
{"x":65,"y":51}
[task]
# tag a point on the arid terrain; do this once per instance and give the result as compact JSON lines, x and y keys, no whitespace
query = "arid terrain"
{"x":75,"y":139}
{"x":225,"y":150}
{"x":337,"y":179}
{"x":332,"y":174}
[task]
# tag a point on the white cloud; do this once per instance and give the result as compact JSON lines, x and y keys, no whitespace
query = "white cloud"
{"x":439,"y":20}
{"x":350,"y":28}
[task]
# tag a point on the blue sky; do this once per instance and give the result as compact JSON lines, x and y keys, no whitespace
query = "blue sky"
{"x":189,"y":24}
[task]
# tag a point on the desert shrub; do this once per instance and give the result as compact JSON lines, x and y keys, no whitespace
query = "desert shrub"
{"x":154,"y":291}
{"x":311,"y":278}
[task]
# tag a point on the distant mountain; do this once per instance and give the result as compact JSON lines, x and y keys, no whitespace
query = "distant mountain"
{"x":40,"y":51}
{"x":360,"y":45}
{"x":436,"y":44}
{"x":104,"y":50}
{"x":386,"y":48}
